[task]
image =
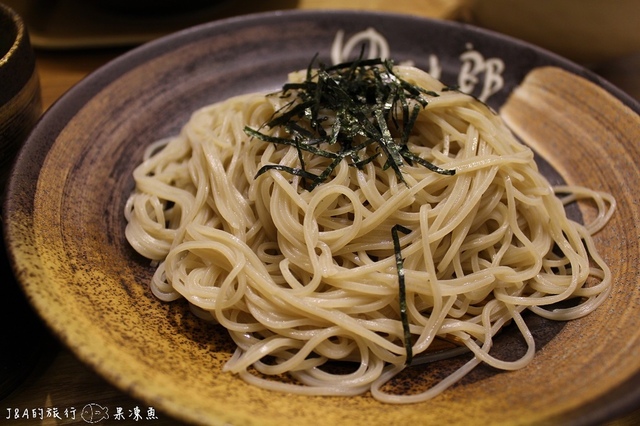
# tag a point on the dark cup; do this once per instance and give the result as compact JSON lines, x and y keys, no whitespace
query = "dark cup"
{"x":24,"y":337}
{"x":20,"y":98}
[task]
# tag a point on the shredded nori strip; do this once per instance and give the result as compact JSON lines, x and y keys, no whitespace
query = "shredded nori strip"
{"x":402,"y":291}
{"x":367,"y":99}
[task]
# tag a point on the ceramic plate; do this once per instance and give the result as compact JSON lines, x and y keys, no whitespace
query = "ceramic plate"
{"x":65,"y":226}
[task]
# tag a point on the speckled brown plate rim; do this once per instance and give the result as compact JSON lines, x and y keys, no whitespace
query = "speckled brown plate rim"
{"x":25,"y":176}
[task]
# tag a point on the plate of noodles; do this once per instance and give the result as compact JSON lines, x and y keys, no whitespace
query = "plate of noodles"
{"x":361,"y":217}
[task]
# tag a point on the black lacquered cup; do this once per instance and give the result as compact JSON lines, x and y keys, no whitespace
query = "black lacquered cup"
{"x":24,"y":338}
{"x":20,"y":98}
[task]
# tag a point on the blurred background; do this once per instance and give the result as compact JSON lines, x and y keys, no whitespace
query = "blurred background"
{"x":73,"y":37}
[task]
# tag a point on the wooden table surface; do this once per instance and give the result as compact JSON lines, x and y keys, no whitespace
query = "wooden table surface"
{"x":59,"y":382}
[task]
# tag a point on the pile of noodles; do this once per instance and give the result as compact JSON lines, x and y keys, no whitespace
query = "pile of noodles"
{"x":302,"y":279}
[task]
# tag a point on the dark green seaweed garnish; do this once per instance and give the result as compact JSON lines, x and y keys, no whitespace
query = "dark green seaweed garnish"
{"x":402,"y":291}
{"x":362,"y":98}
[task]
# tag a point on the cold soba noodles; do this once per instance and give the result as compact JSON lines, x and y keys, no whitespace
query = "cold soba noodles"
{"x":362,"y":216}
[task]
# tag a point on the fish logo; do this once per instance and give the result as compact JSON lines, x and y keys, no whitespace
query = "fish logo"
{"x":94,"y":413}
